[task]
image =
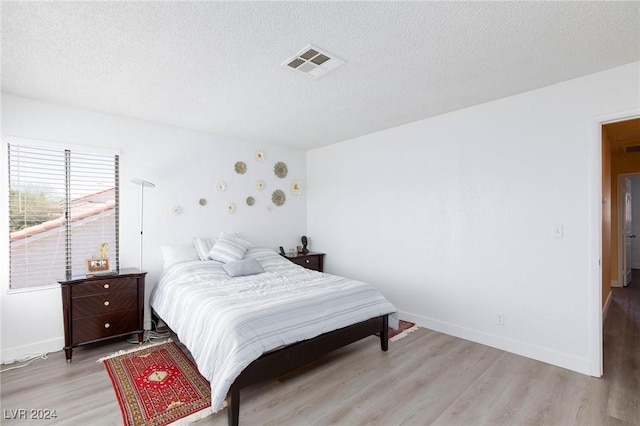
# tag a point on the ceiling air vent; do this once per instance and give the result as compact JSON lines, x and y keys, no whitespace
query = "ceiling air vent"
{"x":633,"y":148}
{"x":313,"y":61}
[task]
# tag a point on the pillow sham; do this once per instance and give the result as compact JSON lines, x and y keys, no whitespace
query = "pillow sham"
{"x":203,"y":246}
{"x":228,"y":247}
{"x":241,"y":268}
{"x":172,"y":254}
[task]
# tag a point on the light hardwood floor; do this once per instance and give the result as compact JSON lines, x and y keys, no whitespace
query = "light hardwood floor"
{"x":425,"y":378}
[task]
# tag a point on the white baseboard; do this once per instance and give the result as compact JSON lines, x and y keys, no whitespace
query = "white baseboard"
{"x":10,"y":355}
{"x":615,"y":283}
{"x":549,"y":356}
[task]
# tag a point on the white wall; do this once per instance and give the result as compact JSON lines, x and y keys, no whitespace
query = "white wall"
{"x":635,"y":205}
{"x":453,"y":217}
{"x":185,"y":166}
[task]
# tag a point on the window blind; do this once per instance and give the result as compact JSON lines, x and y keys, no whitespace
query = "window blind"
{"x":63,"y":210}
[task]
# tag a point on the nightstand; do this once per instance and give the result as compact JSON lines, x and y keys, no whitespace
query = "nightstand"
{"x":313,"y":261}
{"x":102,"y":307}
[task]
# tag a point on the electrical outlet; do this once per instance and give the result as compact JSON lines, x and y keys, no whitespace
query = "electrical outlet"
{"x":500,"y":319}
{"x":558,"y":232}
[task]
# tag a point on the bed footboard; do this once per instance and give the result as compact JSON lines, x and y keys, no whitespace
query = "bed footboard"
{"x":276,"y":363}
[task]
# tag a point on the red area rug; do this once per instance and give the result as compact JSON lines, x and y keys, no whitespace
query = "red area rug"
{"x":158,"y":385}
{"x":404,"y":328}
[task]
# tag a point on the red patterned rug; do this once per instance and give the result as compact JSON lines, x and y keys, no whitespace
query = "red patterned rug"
{"x":404,"y":328}
{"x":158,"y":385}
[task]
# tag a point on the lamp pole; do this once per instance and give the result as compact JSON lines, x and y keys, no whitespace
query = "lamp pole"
{"x":143,"y":183}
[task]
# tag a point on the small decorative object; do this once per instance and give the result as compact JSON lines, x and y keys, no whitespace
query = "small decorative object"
{"x":281,"y":250}
{"x":299,"y":248}
{"x":99,"y":263}
{"x":261,"y":185}
{"x":296,"y":188}
{"x":221,"y":186}
{"x":251,"y":201}
{"x":268,"y":208}
{"x":202,"y":202}
{"x":103,"y":250}
{"x":305,"y":242}
{"x":278,"y":197}
{"x":231,"y":208}
{"x":240,"y":167}
{"x":260,"y":156}
{"x":280,"y":169}
{"x":176,"y":210}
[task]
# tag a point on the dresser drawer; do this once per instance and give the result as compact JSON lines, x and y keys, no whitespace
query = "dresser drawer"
{"x":105,"y":325}
{"x":84,"y":306}
{"x":104,"y":285}
{"x":310,"y":262}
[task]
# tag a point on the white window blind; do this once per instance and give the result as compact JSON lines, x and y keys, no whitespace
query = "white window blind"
{"x":63,"y":208}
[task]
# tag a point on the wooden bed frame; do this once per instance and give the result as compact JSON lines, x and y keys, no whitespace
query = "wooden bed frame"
{"x":278,"y":362}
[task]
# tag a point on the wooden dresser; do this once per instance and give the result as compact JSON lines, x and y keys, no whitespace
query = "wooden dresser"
{"x":313,"y":261}
{"x":101,"y":307}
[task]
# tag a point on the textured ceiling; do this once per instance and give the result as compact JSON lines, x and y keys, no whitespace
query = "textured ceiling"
{"x":216,"y":66}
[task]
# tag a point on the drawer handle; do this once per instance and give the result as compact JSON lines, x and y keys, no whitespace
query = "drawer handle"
{"x":106,"y":303}
{"x":107,"y":325}
{"x":308,"y":261}
{"x":106,"y":285}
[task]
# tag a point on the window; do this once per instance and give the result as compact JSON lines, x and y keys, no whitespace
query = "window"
{"x":63,"y":211}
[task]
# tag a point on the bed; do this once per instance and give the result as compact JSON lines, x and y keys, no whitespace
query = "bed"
{"x":253,"y":326}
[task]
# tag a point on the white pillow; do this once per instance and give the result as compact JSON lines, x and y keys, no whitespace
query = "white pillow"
{"x":240,"y":268}
{"x":228,"y":247}
{"x":177,"y":253}
{"x":203,"y":246}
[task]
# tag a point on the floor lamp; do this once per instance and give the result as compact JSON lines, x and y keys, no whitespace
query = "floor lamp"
{"x":143,"y":184}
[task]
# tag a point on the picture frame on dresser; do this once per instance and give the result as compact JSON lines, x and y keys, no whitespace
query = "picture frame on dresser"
{"x":101,"y":307}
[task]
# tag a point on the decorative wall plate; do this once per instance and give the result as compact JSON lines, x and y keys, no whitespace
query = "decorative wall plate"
{"x":278,"y":197}
{"x":296,"y":188}
{"x":176,"y":210}
{"x":202,"y":202}
{"x":221,"y":186}
{"x":261,"y":185}
{"x":260,"y":156}
{"x":280,"y":169}
{"x":251,"y":201}
{"x":240,"y":167}
{"x":231,"y":208}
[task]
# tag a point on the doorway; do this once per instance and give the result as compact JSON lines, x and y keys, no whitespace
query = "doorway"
{"x":620,"y":170}
{"x":628,"y":218}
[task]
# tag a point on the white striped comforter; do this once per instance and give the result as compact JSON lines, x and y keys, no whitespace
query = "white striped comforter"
{"x":227,"y":323}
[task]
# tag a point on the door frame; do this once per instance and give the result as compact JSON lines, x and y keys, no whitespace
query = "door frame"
{"x":595,"y":331}
{"x":621,"y":231}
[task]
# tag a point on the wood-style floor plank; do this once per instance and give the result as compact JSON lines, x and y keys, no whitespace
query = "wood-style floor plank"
{"x":425,"y":378}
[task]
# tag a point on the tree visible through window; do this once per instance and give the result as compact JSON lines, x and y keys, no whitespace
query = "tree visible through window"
{"x":63,"y":208}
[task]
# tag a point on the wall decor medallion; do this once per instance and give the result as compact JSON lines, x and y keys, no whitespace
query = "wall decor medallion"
{"x":280,"y":169}
{"x":202,"y":202}
{"x":251,"y":201}
{"x":176,"y":210}
{"x":261,"y":185}
{"x":260,"y":156}
{"x":296,"y":188}
{"x":221,"y":186}
{"x":230,"y":208}
{"x":278,"y":197}
{"x":240,"y":167}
